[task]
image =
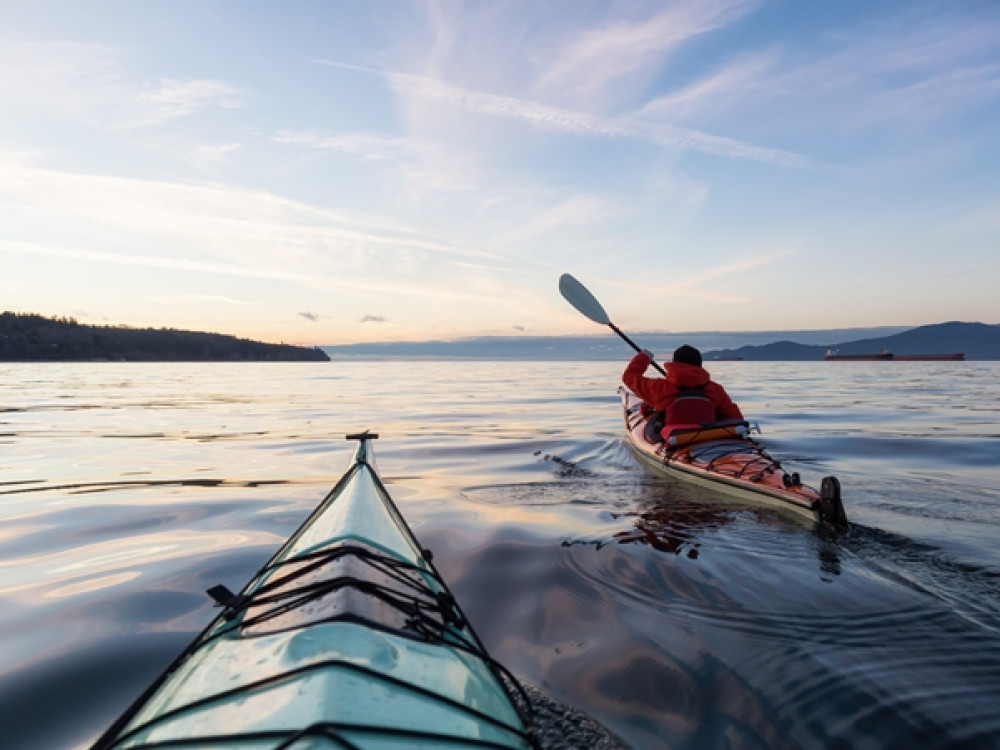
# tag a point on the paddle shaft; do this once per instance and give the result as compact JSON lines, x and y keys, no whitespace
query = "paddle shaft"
{"x":631,"y":343}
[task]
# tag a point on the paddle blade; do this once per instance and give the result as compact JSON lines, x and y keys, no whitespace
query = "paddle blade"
{"x":580,"y":297}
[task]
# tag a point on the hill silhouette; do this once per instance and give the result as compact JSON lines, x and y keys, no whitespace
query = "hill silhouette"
{"x":588,"y":347}
{"x":975,"y":340}
{"x":34,"y":338}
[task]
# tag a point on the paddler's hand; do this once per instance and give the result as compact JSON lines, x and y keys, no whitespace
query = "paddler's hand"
{"x":648,"y":354}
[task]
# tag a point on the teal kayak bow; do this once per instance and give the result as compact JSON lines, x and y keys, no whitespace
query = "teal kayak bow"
{"x":347,"y":638}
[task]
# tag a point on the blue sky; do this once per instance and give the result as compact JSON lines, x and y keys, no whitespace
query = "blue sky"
{"x":333,"y":172}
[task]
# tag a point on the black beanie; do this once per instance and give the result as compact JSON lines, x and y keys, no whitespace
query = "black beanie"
{"x":688,"y":355}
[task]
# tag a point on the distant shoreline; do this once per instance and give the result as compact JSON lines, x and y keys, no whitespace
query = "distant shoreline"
{"x":34,"y":338}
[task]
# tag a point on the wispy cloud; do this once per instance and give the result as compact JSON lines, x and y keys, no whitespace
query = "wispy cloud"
{"x":584,"y":124}
{"x":148,"y":261}
{"x":372,"y":319}
{"x":204,"y":156}
{"x":310,"y":316}
{"x":193,"y":298}
{"x":726,"y":87}
{"x":90,"y":81}
{"x":696,"y":286}
{"x":214,"y":229}
{"x":327,"y":280}
{"x":242,"y":224}
{"x":976,"y":226}
{"x":934,"y":68}
{"x":599,"y":58}
{"x":423,"y":166}
{"x":170,"y":98}
{"x":561,"y":120}
{"x":366,"y":145}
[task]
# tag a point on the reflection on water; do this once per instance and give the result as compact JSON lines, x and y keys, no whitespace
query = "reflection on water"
{"x":676,"y":527}
{"x":674,"y":618}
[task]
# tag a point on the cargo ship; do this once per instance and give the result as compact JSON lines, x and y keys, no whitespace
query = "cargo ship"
{"x":833,"y":355}
{"x":956,"y":357}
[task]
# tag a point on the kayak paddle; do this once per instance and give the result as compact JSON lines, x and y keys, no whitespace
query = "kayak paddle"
{"x":580,"y":297}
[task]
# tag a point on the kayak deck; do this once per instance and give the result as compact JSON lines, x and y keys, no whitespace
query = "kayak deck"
{"x":347,"y":638}
{"x":736,"y":466}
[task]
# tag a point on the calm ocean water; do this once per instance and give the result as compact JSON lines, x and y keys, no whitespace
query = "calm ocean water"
{"x":673,"y":618}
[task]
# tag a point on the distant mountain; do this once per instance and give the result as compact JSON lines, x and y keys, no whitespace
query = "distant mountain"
{"x":975,"y":340}
{"x":599,"y":346}
{"x":780,"y":351}
{"x":33,"y":338}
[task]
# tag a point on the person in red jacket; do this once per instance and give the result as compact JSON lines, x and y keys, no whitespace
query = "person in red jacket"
{"x":687,"y":397}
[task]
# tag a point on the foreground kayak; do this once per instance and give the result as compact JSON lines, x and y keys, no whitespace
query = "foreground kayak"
{"x":347,"y":638}
{"x":727,"y":460}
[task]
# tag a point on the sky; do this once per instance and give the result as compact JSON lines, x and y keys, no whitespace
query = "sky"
{"x":328,"y":172}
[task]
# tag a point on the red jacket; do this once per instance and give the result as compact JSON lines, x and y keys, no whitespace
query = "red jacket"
{"x":660,"y":393}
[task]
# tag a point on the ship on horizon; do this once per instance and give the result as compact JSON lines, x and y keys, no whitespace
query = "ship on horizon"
{"x":834,"y":355}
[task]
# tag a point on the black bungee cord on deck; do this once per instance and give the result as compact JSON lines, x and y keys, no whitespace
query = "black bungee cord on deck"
{"x":717,"y":452}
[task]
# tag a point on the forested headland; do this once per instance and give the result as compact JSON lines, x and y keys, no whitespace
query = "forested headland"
{"x":26,"y":337}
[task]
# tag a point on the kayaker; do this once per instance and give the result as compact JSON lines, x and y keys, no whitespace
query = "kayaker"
{"x":687,"y":398}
